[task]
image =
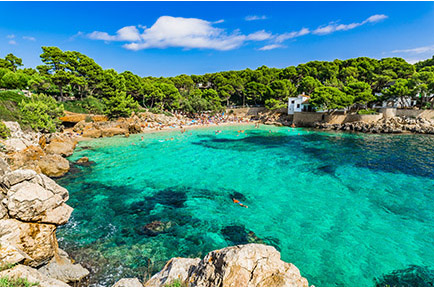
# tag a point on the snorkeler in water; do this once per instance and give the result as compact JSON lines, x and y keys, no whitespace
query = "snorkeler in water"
{"x":239,"y":203}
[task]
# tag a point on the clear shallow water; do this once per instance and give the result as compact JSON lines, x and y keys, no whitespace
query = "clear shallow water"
{"x":344,"y":208}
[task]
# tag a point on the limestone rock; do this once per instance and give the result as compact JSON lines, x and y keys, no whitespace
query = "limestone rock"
{"x":175,"y":269}
{"x":4,"y":167}
{"x":83,"y":160}
{"x":10,"y":255}
{"x":3,"y":212}
{"x":17,"y":144}
{"x":37,"y":241}
{"x":61,"y":268}
{"x":18,"y":176}
{"x":28,"y":201}
{"x":128,"y":282}
{"x":33,"y":276}
{"x":58,"y":216}
{"x":251,"y":265}
{"x":93,"y":133}
{"x":51,"y":186}
{"x":53,"y":165}
{"x":112,"y":131}
{"x":61,"y":146}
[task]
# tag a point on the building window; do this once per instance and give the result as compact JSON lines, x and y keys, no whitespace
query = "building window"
{"x":292,"y":101}
{"x":298,"y":105}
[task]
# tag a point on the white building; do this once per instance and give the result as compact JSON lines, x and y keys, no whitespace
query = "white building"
{"x":298,"y":104}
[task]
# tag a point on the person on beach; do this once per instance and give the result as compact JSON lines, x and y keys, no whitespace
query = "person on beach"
{"x":239,"y":203}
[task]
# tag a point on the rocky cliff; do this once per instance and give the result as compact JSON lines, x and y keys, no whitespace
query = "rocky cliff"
{"x":251,"y":265}
{"x":31,"y":207}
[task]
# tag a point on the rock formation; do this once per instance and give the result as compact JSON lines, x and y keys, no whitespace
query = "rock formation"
{"x":251,"y":265}
{"x":31,"y":207}
{"x":389,"y":125}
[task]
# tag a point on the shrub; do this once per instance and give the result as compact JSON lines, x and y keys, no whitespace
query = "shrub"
{"x":16,"y":282}
{"x":4,"y":131}
{"x":155,"y":110}
{"x":120,"y":105}
{"x":176,"y":283}
{"x":367,"y":111}
{"x":41,"y":113}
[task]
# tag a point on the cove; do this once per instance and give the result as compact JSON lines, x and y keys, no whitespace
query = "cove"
{"x":346,"y":209}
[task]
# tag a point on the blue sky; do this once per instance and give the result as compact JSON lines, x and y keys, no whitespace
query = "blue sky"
{"x":171,"y":38}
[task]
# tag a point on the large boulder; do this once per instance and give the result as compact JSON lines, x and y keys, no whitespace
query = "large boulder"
{"x":92,"y":133}
{"x":4,"y":167}
{"x":176,"y":269}
{"x":27,"y":158}
{"x":61,"y":268}
{"x":252,"y":265}
{"x":112,"y":131}
{"x":128,"y":282}
{"x":10,"y":255}
{"x":53,"y":165}
{"x":37,"y":241}
{"x":28,"y":202}
{"x":61,"y":146}
{"x":32,"y":276}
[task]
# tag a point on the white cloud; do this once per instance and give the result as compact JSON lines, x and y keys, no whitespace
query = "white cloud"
{"x":30,"y":38}
{"x":11,"y":36}
{"x":285,"y":36}
{"x":12,"y":42}
{"x":417,"y":50}
{"x":255,"y":17}
{"x":270,"y":47}
{"x":182,"y":32}
{"x":259,"y":35}
{"x":127,"y":33}
{"x":333,"y":27}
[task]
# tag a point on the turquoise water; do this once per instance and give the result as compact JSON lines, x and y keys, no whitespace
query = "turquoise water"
{"x":344,"y":208}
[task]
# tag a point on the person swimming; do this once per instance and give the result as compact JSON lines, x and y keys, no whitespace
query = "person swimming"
{"x":239,"y":203}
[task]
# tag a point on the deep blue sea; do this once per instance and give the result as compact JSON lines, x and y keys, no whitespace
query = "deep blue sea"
{"x":346,"y":209}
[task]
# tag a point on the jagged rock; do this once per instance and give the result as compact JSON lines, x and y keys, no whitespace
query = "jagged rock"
{"x":175,"y":269}
{"x":51,"y":186}
{"x":61,"y":146}
{"x":4,"y":167}
{"x":61,"y":268}
{"x":18,"y":176}
{"x":10,"y":255}
{"x":53,"y":165}
{"x":128,"y":282}
{"x":28,"y":201}
{"x":251,"y":265}
{"x":37,"y":241}
{"x":3,"y":211}
{"x":32,"y":276}
{"x":83,"y":160}
{"x":156,"y":227}
{"x":92,"y":133}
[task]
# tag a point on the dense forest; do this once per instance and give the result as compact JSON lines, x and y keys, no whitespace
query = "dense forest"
{"x":331,"y":84}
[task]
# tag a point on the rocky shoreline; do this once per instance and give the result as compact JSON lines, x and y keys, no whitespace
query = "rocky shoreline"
{"x":389,"y":125}
{"x":32,"y":206}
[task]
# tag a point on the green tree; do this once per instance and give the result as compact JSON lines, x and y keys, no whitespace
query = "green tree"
{"x":360,"y":91}
{"x":400,"y":90}
{"x":330,"y":98}
{"x":120,"y":105}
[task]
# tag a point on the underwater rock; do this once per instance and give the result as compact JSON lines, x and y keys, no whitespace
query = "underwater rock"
{"x":82,"y":160}
{"x":238,"y":196}
{"x":251,"y":265}
{"x":156,"y":227}
{"x":413,"y":276}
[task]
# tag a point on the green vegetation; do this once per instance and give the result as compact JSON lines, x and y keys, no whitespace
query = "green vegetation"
{"x":4,"y":131}
{"x":16,"y":282}
{"x":9,"y":106}
{"x":42,"y":113}
{"x":332,"y":85}
{"x":176,"y":283}
{"x":367,"y":111}
{"x":7,"y":266}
